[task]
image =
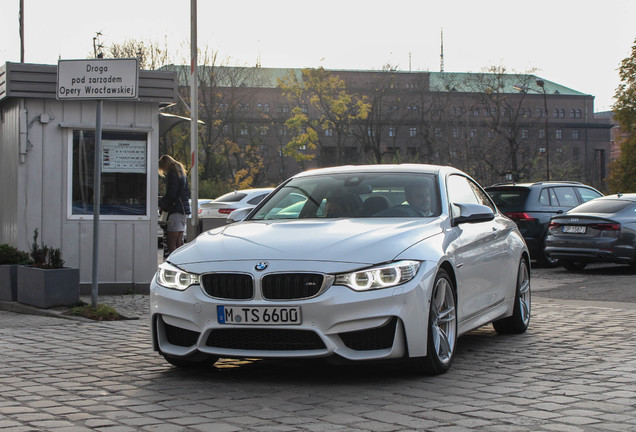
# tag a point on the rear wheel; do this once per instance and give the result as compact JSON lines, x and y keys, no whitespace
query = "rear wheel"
{"x":442,"y":326}
{"x":573,"y":265}
{"x":520,"y":319}
{"x":195,"y":361}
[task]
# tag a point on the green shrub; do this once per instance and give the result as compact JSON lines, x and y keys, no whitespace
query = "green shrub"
{"x":12,"y":255}
{"x":45,"y":257}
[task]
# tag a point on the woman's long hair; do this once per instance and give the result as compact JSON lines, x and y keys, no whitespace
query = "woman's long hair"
{"x":167,"y":163}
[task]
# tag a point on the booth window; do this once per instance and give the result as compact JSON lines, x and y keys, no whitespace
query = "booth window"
{"x":124,"y":173}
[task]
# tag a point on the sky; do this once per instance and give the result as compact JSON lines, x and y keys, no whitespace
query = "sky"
{"x":576,"y":43}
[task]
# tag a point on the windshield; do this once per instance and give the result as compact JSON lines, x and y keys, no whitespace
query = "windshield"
{"x":354,"y":196}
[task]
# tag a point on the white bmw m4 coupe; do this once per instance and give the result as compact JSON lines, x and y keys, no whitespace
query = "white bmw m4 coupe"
{"x":381,"y":262}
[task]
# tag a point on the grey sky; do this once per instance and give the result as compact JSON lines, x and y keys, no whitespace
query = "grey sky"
{"x":579,"y":44}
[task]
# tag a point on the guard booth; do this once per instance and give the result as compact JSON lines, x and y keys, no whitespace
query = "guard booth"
{"x":46,"y":173}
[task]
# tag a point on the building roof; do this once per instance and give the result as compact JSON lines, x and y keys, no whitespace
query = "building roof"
{"x":462,"y":82}
{"x":28,"y":80}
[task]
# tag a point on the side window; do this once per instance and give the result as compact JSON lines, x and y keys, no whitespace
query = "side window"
{"x":257,"y":199}
{"x":566,"y":196}
{"x":544,"y":197}
{"x":587,"y":194}
{"x":482,"y":196}
{"x":460,"y":191}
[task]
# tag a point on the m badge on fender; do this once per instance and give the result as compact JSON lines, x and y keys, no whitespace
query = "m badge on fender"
{"x":261,"y":266}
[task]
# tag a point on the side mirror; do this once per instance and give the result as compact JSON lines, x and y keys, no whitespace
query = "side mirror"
{"x":473,"y":213}
{"x":238,"y":215}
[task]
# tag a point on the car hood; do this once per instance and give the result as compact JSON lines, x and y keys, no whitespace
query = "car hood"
{"x":356,"y":241}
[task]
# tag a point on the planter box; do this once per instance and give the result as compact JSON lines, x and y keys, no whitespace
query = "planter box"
{"x":48,"y":288}
{"x":8,"y":282}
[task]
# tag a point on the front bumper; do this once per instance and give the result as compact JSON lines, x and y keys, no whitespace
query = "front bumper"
{"x":371,"y":325}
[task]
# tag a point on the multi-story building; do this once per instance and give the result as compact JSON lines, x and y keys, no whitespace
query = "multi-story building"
{"x":497,"y":126}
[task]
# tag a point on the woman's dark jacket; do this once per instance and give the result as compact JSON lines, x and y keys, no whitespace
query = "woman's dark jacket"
{"x":176,"y":199}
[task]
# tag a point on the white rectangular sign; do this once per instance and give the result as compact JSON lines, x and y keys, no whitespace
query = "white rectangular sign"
{"x":97,"y":79}
{"x":124,"y":156}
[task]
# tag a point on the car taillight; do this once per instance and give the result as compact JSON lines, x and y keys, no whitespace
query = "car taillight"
{"x":521,"y":216}
{"x":226,"y":210}
{"x":606,"y":226}
{"x":554,"y":225}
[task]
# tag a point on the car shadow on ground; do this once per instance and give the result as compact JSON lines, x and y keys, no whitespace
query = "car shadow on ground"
{"x":312,"y":372}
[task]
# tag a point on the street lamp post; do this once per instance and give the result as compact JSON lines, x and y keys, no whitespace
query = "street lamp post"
{"x":524,"y":89}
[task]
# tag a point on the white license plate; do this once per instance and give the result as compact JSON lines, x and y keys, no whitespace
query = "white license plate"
{"x":258,"y":315}
{"x":574,"y":229}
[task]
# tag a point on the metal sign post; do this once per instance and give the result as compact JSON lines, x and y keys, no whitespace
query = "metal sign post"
{"x":97,"y":79}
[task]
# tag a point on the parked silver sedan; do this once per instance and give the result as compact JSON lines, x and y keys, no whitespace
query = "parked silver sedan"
{"x":601,"y":230}
{"x":214,"y":212}
{"x":374,"y":263}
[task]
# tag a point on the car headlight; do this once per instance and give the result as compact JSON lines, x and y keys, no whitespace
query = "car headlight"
{"x":384,"y":276}
{"x":173,"y":277}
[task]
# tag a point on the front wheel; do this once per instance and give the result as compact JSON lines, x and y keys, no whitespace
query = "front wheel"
{"x":442,"y":326}
{"x":520,"y":319}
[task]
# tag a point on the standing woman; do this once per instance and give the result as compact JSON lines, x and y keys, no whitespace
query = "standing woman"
{"x":176,"y":199}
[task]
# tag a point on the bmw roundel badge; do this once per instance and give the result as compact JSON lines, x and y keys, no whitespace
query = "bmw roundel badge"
{"x":261,"y":266}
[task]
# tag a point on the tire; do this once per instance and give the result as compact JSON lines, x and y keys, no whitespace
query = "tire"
{"x":195,"y":361}
{"x":442,"y":327}
{"x":573,"y":265}
{"x":519,"y":321}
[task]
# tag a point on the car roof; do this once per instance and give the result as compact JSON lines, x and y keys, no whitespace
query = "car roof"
{"x":542,"y":183}
{"x":391,"y":168}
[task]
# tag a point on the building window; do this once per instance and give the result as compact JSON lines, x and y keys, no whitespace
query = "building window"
{"x":572,"y":113}
{"x":524,"y":133}
{"x":266,"y":108}
{"x":475,"y":112}
{"x":455,"y":133}
{"x":541,"y":133}
{"x":578,"y":113}
{"x":438,"y":132}
{"x":124,"y":178}
{"x":243,"y":130}
{"x":370,"y":132}
{"x":473,"y":133}
{"x":328,"y":132}
{"x":391,"y":131}
{"x":262,"y":130}
{"x":305,"y":109}
{"x":412,"y":131}
{"x":575,"y":134}
{"x":559,"y":134}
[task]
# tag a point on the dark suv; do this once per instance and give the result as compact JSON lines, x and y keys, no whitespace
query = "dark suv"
{"x":531,"y":205}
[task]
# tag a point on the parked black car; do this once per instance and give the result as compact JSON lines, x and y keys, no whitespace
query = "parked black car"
{"x":531,"y":205}
{"x":602,"y":230}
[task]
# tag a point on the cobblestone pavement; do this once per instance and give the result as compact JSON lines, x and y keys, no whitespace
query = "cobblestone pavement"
{"x":574,"y":370}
